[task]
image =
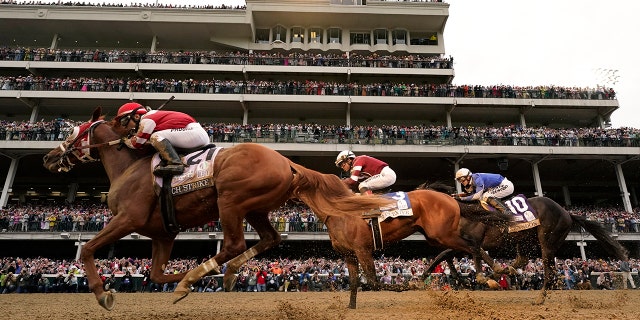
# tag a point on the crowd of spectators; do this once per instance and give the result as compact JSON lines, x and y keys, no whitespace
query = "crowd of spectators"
{"x":117,"y":55}
{"x":511,"y":135}
{"x":123,"y":5}
{"x":291,"y":217}
{"x":150,"y":5}
{"x":294,"y":87}
{"x":29,"y":275}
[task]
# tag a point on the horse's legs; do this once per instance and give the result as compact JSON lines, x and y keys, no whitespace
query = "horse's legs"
{"x":269,"y":238}
{"x":439,"y":258}
{"x":490,"y":261}
{"x":160,"y":252}
{"x":365,"y":259}
{"x":548,"y":247}
{"x":116,"y":229}
{"x":234,"y":244}
{"x":354,"y":279}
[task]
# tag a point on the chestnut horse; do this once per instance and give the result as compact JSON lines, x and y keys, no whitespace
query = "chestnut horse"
{"x":545,"y":239}
{"x":435,"y":215}
{"x":249,"y":181}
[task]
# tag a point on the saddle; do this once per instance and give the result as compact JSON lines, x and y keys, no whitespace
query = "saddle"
{"x":167,"y":208}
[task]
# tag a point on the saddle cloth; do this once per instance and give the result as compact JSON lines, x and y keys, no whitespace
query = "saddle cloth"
{"x":525,"y":217}
{"x":401,"y":208}
{"x":198,"y":172}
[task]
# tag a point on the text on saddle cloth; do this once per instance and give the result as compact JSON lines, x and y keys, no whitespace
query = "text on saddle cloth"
{"x":401,"y":208}
{"x":198,"y":172}
{"x":525,"y":217}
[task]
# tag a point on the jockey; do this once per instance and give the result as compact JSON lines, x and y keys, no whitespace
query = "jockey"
{"x":376,"y":173}
{"x":163,"y":130}
{"x":487,"y":187}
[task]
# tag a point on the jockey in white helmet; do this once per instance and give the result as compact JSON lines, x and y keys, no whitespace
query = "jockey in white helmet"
{"x":487,"y":187}
{"x":376,"y":173}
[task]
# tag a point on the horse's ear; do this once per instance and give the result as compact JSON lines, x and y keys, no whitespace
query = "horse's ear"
{"x":96,"y":114}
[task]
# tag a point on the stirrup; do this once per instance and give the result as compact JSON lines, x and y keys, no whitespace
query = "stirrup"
{"x":373,"y":213}
{"x":171,"y":169}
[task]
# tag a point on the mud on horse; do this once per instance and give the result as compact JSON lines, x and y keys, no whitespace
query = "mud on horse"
{"x":249,"y":181}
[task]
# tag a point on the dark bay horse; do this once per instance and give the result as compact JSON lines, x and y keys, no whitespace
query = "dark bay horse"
{"x":544,"y":240}
{"x":249,"y":181}
{"x":435,"y":215}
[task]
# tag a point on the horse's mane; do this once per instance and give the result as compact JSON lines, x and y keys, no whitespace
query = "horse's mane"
{"x":470,"y":210}
{"x":436,"y":186}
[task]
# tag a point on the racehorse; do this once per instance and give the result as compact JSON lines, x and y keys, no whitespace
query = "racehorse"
{"x":546,"y":238}
{"x":435,"y":215}
{"x":249,"y":180}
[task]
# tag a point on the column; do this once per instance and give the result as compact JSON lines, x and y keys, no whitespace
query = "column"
{"x":523,"y":122}
{"x":566,"y":195}
{"x":71,"y":194}
{"x":536,"y":179}
{"x":348,"y":115}
{"x":54,"y":41}
{"x":35,"y":113}
{"x":623,"y":188}
{"x":8,"y":182}
{"x":154,"y":43}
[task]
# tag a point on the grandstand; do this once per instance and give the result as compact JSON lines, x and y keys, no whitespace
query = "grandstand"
{"x":284,"y":44}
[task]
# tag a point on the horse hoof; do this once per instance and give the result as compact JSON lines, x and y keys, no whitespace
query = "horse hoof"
{"x":107,"y":300}
{"x":179,"y":295}
{"x":229,"y":283}
{"x":540,"y":300}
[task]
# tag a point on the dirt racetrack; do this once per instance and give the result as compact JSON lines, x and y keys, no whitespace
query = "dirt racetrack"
{"x":595,"y":304}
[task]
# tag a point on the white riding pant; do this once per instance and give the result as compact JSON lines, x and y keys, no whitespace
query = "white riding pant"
{"x":384,"y":179}
{"x":505,"y":188}
{"x":191,"y":136}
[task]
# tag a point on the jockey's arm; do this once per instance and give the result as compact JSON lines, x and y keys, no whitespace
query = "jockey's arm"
{"x":144,"y":133}
{"x":350,"y":183}
{"x":475,"y":196}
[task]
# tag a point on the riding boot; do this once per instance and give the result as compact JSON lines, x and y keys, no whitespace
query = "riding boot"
{"x":494,"y":202}
{"x":173,"y":164}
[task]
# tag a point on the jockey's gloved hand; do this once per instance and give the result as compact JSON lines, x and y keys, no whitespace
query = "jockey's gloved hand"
{"x":129,"y":143}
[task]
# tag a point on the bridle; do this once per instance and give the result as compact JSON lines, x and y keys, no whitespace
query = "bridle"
{"x":81,"y":151}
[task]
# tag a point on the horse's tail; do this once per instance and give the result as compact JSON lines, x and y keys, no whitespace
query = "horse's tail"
{"x":326,"y":195}
{"x":611,"y":246}
{"x":476,"y":213}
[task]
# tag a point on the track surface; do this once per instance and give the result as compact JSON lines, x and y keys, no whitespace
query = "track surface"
{"x":595,"y":304}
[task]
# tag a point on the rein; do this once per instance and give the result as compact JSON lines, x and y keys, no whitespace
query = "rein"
{"x":71,"y":148}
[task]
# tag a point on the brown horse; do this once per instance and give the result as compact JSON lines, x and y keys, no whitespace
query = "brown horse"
{"x":544,"y":240}
{"x":435,"y":215}
{"x":249,"y":181}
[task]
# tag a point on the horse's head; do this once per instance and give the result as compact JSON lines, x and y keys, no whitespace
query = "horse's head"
{"x":76,"y":148}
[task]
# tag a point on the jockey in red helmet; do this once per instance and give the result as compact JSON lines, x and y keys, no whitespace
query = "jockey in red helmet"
{"x":163,"y":130}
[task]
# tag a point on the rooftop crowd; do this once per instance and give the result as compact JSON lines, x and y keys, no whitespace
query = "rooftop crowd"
{"x":29,"y":275}
{"x":288,"y":218}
